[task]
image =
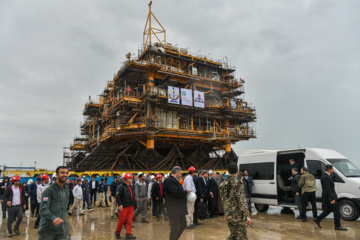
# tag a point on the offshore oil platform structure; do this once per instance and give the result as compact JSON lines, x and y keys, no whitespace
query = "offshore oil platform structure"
{"x":168,"y":107}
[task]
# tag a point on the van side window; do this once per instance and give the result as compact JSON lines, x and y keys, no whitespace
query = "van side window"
{"x":259,"y":171}
{"x":316,"y":168}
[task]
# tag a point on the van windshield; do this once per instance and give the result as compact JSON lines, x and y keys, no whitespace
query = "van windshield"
{"x":347,"y":168}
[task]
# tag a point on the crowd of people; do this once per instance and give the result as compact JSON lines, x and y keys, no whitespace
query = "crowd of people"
{"x":182,"y":198}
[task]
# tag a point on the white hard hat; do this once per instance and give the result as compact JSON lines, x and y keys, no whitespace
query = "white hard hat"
{"x":210,"y":171}
{"x":152,"y":177}
{"x":191,"y":197}
{"x":227,"y":173}
{"x":122,"y":176}
{"x":140,"y":173}
{"x":54,"y":175}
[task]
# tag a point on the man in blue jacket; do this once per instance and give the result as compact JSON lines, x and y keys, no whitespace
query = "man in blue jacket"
{"x":33,"y":199}
{"x":250,"y":184}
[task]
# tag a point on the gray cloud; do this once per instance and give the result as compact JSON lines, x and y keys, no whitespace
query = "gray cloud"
{"x":300,"y":60}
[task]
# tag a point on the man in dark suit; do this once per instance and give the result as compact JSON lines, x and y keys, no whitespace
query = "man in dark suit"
{"x":250,"y":184}
{"x":213,"y":195}
{"x":329,"y":199}
{"x":175,"y":202}
{"x":199,"y":196}
{"x":94,"y":184}
{"x":204,"y":185}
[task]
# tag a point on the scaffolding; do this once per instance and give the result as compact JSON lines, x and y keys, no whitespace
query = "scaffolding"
{"x":142,"y":122}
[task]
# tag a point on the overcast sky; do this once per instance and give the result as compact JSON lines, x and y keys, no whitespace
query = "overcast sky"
{"x":300,"y":61}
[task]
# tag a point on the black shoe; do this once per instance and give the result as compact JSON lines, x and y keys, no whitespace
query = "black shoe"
{"x":17,"y":232}
{"x":130,"y":236}
{"x":10,"y":234}
{"x":304,"y":219}
{"x":36,"y":226}
{"x":214,"y":216}
{"x":201,"y":218}
{"x":340,"y":228}
{"x":145,"y":221}
{"x":198,"y":224}
{"x":194,"y":226}
{"x":206,"y":217}
{"x":4,"y":216}
{"x":298,"y":217}
{"x":190,"y":227}
{"x":117,"y":236}
{"x":317,"y":222}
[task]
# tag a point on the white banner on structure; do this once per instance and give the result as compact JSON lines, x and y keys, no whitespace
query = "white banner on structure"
{"x":173,"y":95}
{"x":186,"y":97}
{"x":199,"y":99}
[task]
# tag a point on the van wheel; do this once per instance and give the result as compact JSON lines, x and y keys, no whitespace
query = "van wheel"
{"x":348,"y":210}
{"x":261,"y":207}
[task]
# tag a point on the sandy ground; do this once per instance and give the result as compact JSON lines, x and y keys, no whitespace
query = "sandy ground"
{"x":271,"y":225}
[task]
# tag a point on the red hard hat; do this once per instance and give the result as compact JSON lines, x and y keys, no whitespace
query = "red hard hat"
{"x":15,"y":178}
{"x":128,"y":175}
{"x":45,"y":177}
{"x":159,"y":176}
{"x":192,"y":169}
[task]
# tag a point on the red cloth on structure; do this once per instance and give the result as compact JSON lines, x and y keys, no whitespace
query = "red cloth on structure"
{"x":125,"y":215}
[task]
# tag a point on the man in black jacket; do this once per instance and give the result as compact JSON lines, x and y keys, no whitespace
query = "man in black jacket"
{"x":3,"y":187}
{"x":199,"y":197}
{"x":125,"y":199}
{"x":329,"y":199}
{"x":296,"y":190}
{"x":175,"y":202}
{"x":15,"y":200}
{"x":213,"y":195}
{"x":113,"y":187}
{"x":204,"y":185}
{"x":157,"y":195}
{"x":94,"y":184}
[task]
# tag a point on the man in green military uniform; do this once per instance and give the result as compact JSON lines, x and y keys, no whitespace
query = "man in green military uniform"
{"x":54,"y":202}
{"x":235,"y":205}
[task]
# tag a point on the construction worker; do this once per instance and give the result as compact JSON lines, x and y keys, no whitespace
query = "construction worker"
{"x":15,"y":200}
{"x":190,"y":205}
{"x":141,"y":198}
{"x":125,"y":199}
{"x":39,"y":191}
{"x":54,"y":202}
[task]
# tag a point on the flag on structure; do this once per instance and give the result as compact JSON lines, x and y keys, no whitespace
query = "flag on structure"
{"x":199,"y":99}
{"x":173,"y":95}
{"x":186,"y":97}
